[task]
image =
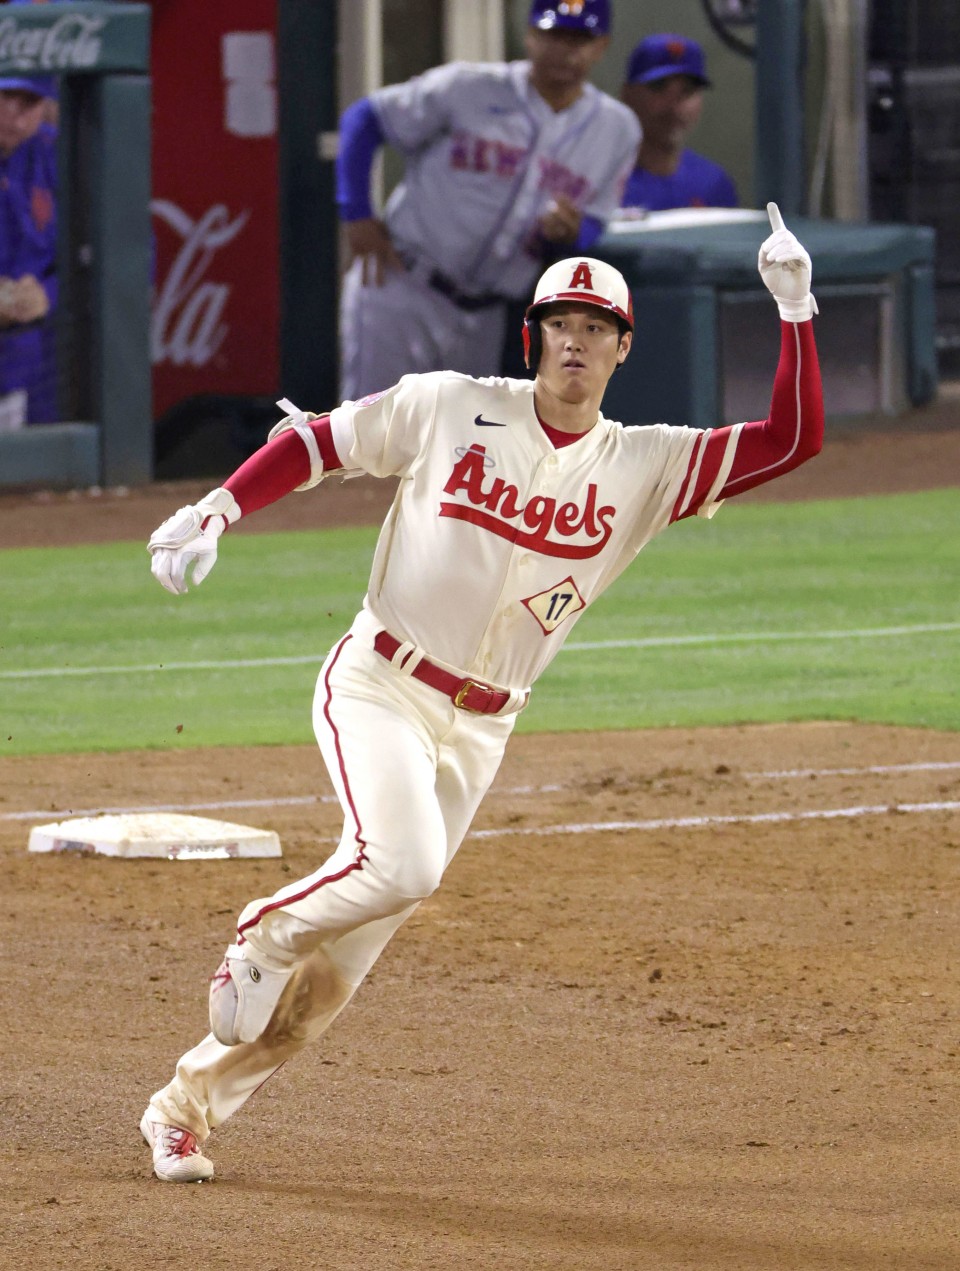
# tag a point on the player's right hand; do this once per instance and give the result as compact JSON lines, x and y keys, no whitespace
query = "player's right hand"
{"x":370,"y":239}
{"x":785,"y":268}
{"x":189,"y":537}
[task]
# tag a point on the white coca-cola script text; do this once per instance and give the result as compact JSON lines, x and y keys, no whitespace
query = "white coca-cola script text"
{"x":187,"y":326}
{"x":71,"y":43}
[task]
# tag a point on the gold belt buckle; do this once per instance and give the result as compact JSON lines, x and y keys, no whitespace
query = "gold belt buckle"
{"x":463,"y":690}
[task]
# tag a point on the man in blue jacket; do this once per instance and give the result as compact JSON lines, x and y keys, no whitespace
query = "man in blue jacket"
{"x":28,"y":243}
{"x":665,"y":83}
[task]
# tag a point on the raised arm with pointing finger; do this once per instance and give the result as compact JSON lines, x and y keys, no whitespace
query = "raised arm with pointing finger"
{"x":786,"y":271}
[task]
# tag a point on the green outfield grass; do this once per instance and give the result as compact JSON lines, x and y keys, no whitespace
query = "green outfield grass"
{"x":769,"y":612}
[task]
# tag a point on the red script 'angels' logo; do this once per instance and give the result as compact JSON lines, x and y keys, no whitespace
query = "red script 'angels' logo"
{"x":494,"y":505}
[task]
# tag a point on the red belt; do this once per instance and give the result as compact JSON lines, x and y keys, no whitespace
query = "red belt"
{"x":481,"y":699}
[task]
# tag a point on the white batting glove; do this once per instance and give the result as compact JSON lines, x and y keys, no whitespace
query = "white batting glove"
{"x":189,"y":537}
{"x":785,"y":268}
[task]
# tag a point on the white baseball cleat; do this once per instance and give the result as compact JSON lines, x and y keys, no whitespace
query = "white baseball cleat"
{"x":176,"y":1154}
{"x":243,"y":997}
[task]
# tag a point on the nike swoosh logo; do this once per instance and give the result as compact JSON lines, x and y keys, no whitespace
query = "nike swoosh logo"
{"x":487,"y":423}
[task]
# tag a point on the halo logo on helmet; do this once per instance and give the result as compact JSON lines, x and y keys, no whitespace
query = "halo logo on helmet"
{"x":592,"y":16}
{"x":582,"y":280}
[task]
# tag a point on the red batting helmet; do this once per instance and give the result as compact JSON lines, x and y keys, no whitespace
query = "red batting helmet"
{"x":582,"y":280}
{"x":592,"y":16}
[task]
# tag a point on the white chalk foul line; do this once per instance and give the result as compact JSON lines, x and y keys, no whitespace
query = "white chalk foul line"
{"x":221,"y":805}
{"x":762,"y":637}
{"x":873,"y":769}
{"x":700,"y":822}
{"x":652,"y":642}
{"x":56,"y":672}
{"x":583,"y":827}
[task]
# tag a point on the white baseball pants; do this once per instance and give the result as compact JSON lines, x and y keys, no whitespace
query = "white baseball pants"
{"x":410,"y":770}
{"x":405,"y":326}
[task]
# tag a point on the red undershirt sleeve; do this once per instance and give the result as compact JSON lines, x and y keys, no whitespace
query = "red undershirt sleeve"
{"x":756,"y":452}
{"x":280,"y":466}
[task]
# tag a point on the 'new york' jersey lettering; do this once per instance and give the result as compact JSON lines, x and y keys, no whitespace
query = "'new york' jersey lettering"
{"x":470,"y":153}
{"x":483,"y":135}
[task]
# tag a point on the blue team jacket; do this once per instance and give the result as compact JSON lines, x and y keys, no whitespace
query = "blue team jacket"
{"x":28,"y":245}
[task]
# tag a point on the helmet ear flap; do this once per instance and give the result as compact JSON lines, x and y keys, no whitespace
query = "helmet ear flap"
{"x":532,"y":343}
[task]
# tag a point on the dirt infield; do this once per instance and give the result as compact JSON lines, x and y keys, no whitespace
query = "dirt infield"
{"x":725,"y":1045}
{"x":685,"y":1000}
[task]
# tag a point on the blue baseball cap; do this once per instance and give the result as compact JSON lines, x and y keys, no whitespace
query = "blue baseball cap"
{"x":592,"y":16}
{"x":42,"y":85}
{"x":658,"y":56}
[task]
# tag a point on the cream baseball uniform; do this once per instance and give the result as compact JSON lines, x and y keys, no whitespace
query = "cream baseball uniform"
{"x":496,"y":543}
{"x":544,"y":531}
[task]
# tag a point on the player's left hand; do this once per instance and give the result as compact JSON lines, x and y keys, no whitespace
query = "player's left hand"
{"x":189,"y":538}
{"x":560,"y":223}
{"x":786,"y":270}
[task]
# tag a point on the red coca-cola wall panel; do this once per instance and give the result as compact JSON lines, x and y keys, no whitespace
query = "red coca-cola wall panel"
{"x":216,"y":303}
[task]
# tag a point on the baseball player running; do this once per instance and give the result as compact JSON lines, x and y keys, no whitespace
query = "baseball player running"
{"x":518,"y":504}
{"x":504,"y":163}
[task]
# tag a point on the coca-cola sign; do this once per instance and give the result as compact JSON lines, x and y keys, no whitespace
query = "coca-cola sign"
{"x":73,"y":43}
{"x":215,"y":319}
{"x":188,"y":325}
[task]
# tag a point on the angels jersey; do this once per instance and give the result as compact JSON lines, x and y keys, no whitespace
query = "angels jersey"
{"x":545,"y":531}
{"x":497,"y":541}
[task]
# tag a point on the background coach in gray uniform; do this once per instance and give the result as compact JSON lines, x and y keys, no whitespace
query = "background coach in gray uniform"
{"x":507,"y":167}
